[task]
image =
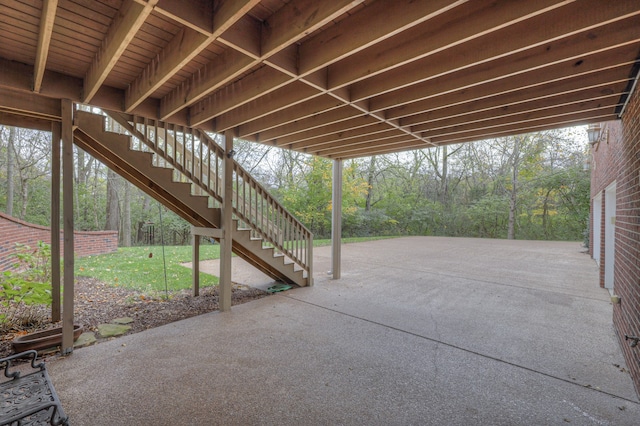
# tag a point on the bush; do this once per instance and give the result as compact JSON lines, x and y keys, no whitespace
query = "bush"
{"x":26,"y":292}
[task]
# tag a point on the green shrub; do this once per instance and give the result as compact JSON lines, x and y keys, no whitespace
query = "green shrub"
{"x":25,"y":292}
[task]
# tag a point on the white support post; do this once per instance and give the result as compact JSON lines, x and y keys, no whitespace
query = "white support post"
{"x":67,"y":201}
{"x":227,"y":224}
{"x":56,"y":134}
{"x":336,"y":222}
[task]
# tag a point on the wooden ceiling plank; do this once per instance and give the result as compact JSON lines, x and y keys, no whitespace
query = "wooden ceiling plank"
{"x":44,"y":38}
{"x":185,"y":46}
{"x":338,"y":143}
{"x":469,"y":21}
{"x":573,"y":53}
{"x":374,"y":23}
{"x":566,"y":21}
{"x":507,"y":91}
{"x":124,"y":27}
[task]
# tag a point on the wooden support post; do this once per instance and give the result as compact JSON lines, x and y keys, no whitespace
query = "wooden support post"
{"x":227,"y":224}
{"x":196,"y":232}
{"x":67,"y":201}
{"x":336,"y":220}
{"x":56,"y":134}
{"x":195,"y":263}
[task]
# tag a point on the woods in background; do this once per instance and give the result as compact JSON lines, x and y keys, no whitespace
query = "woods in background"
{"x":533,"y":186}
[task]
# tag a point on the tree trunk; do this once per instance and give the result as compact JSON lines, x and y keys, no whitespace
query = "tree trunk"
{"x":444,"y":178}
{"x":24,"y":189}
{"x":370,"y":175}
{"x":126,"y":226}
{"x":515,"y":162}
{"x":10,"y":183}
{"x":146,"y":205}
{"x":113,"y":206}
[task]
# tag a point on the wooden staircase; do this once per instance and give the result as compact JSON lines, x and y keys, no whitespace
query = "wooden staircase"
{"x":179,"y":167}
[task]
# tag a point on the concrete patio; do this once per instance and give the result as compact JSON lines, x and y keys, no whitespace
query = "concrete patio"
{"x":422,"y":330}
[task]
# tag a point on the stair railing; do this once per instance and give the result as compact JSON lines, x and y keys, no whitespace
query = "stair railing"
{"x":196,"y":156}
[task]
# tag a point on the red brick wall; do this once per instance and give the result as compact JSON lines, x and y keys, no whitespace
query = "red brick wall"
{"x":15,"y":231}
{"x":621,"y":161}
{"x":606,"y":158}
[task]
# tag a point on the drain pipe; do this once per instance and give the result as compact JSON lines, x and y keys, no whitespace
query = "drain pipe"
{"x":633,"y":87}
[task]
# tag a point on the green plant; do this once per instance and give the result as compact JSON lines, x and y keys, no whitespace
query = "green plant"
{"x":25,"y":291}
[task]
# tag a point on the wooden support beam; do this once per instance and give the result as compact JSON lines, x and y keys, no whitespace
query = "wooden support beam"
{"x":572,"y":55}
{"x":301,"y":111}
{"x":596,"y":107}
{"x":376,"y":22}
{"x":123,"y":29}
{"x":56,"y":135}
{"x":277,"y":100}
{"x":292,"y":22}
{"x":226,"y":242}
{"x":462,"y":24}
{"x":44,"y":39}
{"x":309,"y":124}
{"x":344,"y":136}
{"x":343,"y":130}
{"x":196,"y":233}
{"x":577,"y":17}
{"x":185,"y":46}
{"x":373,"y":141}
{"x":571,"y":101}
{"x":67,"y":200}
{"x":483,"y":97}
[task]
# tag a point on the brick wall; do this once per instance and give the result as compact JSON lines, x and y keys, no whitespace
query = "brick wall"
{"x":606,"y":158}
{"x":15,"y":231}
{"x":619,"y":160}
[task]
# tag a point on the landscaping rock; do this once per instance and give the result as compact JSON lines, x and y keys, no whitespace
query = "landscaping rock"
{"x":123,"y":320}
{"x":112,"y":330}
{"x":85,"y":339}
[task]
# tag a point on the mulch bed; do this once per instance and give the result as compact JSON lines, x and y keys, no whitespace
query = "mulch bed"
{"x":99,"y":303}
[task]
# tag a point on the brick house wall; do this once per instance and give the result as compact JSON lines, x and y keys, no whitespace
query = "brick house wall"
{"x":606,"y":158}
{"x":619,"y":161}
{"x":15,"y":231}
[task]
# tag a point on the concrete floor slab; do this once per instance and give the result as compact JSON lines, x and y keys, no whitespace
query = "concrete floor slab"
{"x":418,"y":331}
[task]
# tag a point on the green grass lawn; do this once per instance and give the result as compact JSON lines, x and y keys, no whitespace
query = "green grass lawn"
{"x":142,"y":268}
